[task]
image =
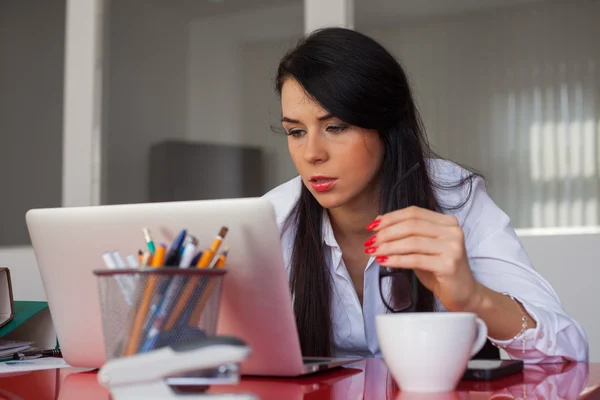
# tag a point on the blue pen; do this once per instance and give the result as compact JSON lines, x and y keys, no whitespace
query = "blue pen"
{"x":196,"y":258}
{"x":173,"y":256}
{"x":173,"y":288}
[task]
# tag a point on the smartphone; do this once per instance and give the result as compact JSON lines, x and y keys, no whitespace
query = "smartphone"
{"x":487,"y":370}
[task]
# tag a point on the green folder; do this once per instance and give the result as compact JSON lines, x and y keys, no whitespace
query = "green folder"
{"x":24,"y":310}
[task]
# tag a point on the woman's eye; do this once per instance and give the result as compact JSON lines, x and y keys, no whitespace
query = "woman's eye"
{"x":336,"y":128}
{"x":297,"y":133}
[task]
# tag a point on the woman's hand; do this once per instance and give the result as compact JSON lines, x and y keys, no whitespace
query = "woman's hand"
{"x":432,"y":244}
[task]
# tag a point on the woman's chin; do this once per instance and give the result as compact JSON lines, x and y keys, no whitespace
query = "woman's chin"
{"x":330,"y":200}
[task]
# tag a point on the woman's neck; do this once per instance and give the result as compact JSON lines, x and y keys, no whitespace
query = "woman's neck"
{"x":349,"y":222}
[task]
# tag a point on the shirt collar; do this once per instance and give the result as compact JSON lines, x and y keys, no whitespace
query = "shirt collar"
{"x":327,"y":232}
{"x":329,"y":240}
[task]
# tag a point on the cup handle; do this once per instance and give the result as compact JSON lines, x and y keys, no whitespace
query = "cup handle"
{"x":481,"y":336}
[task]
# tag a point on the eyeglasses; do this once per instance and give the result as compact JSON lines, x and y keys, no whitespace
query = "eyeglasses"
{"x":401,"y":284}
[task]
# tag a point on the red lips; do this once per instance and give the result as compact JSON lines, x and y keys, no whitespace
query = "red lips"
{"x":322,"y":183}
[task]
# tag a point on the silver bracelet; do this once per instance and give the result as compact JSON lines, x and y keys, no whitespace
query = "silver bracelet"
{"x":523,"y":322}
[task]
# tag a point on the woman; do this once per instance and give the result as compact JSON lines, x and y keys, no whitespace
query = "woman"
{"x":370,"y":193}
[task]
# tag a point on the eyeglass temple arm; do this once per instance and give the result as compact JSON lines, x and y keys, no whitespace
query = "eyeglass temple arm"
{"x":386,"y":272}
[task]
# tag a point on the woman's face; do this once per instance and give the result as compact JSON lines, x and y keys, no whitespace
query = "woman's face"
{"x":338,"y":162}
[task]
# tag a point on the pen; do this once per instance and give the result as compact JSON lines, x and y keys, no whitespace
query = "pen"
{"x":173,"y":256}
{"x":173,"y":288}
{"x":118,"y":260}
{"x":188,"y":252}
{"x":196,"y":258}
{"x":109,"y":260}
{"x":204,"y":261}
{"x":132,"y":261}
{"x":124,"y":284}
{"x":134,"y":338}
{"x":30,"y":355}
{"x":149,"y":241}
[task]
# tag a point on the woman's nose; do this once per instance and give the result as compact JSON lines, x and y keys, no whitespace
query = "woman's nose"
{"x":315,"y":150}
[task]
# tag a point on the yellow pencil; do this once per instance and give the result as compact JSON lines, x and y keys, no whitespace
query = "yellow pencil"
{"x":136,"y":332}
{"x":204,"y":262}
{"x":208,"y":254}
{"x":197,"y":313}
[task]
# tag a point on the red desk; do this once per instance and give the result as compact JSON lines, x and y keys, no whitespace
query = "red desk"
{"x":367,"y":380}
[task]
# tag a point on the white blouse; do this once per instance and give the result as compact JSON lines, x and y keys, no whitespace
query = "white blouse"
{"x":497,"y":260}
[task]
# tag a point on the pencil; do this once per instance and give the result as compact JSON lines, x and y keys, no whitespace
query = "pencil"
{"x":208,"y":255}
{"x":146,"y":259}
{"x":197,"y":313}
{"x":204,"y":261}
{"x":135,"y":336}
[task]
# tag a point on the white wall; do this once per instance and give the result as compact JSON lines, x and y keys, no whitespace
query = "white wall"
{"x":31,"y":94}
{"x":516,"y":95}
{"x":513,"y":93}
{"x":230,"y":93}
{"x":575,"y":255}
{"x":146,"y":92}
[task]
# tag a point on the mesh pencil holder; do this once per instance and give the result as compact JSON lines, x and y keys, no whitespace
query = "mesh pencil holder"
{"x":148,"y":308}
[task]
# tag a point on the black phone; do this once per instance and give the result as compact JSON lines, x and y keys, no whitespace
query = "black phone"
{"x":487,"y":370}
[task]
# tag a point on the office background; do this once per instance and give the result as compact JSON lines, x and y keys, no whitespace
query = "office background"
{"x":508,"y":87}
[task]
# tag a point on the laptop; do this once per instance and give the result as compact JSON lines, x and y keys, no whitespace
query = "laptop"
{"x":256,"y":304}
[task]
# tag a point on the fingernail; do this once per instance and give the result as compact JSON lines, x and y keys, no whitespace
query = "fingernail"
{"x":370,"y":241}
{"x":370,"y":250}
{"x":381,"y":259}
{"x":373,"y":225}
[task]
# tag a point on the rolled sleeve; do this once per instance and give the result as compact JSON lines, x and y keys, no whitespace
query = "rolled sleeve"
{"x":550,"y":341}
{"x":499,"y":261}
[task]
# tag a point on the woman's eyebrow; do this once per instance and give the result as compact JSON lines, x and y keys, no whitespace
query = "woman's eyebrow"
{"x":326,"y":117}
{"x":295,"y":121}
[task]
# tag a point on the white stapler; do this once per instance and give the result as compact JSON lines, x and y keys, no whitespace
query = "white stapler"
{"x":193,"y":365}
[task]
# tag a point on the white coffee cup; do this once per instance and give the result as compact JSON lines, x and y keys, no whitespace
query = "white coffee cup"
{"x":429,"y":352}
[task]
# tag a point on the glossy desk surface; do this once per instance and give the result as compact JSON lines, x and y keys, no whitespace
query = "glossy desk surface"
{"x":368,"y":379}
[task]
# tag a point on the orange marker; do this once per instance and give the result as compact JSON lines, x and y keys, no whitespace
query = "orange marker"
{"x":204,"y":262}
{"x":136,"y":332}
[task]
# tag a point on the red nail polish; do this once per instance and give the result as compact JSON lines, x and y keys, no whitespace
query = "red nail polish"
{"x":370,"y":241}
{"x":373,"y":225}
{"x":381,"y":259}
{"x":370,"y":250}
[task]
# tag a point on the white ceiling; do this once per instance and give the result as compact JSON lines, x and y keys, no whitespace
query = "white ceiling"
{"x":366,"y":11}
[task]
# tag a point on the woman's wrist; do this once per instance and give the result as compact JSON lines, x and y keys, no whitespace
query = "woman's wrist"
{"x":479,"y":301}
{"x":502,"y":314}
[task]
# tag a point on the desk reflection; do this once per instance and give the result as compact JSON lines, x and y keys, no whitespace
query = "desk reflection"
{"x":82,"y":385}
{"x":40,"y":385}
{"x":548,"y":381}
{"x":368,"y":380}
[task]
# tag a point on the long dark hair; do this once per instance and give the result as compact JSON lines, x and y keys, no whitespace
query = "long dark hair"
{"x":358,"y":81}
